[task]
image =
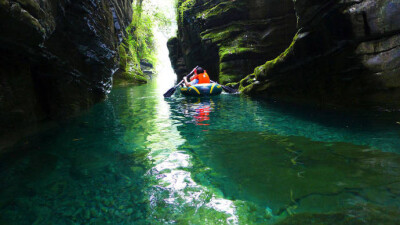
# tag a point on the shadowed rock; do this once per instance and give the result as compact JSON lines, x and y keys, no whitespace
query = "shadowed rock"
{"x":57,"y":57}
{"x":345,"y":53}
{"x":230,"y":38}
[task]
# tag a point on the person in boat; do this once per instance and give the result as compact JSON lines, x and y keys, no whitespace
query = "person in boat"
{"x":200,"y":77}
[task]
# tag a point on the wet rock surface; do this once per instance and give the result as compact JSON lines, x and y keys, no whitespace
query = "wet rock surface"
{"x":230,"y":38}
{"x":345,"y":53}
{"x":57,"y":57}
{"x":147,"y":68}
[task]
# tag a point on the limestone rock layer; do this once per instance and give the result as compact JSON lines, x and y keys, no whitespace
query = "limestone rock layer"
{"x":345,"y":53}
{"x":332,"y":53}
{"x":57,"y":56}
{"x":230,"y":38}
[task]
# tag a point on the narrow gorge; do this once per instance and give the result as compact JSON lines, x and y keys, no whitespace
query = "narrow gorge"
{"x":106,"y":117}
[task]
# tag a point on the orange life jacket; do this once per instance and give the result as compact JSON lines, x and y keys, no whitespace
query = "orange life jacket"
{"x":203,"y":78}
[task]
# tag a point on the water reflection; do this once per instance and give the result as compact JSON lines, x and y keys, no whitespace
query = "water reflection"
{"x":174,"y":196}
{"x":243,"y":157}
{"x":199,"y":109}
{"x":138,"y":158}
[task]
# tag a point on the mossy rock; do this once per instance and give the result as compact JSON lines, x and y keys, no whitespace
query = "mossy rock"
{"x":232,"y":53}
{"x":32,"y":7}
{"x":224,"y":31}
{"x":183,"y":7}
{"x":123,"y":57}
{"x":252,"y":82}
{"x":222,"y":34}
{"x":233,"y":70}
{"x":222,"y":13}
{"x":122,"y":78}
{"x":226,"y":78}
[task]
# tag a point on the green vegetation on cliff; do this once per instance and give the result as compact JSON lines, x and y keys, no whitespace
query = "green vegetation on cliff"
{"x":230,"y":38}
{"x":183,"y":6}
{"x":250,"y":82}
{"x":137,"y":46}
{"x":137,"y":51}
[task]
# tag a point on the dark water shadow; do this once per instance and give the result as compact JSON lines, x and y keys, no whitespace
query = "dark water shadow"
{"x":350,"y":118}
{"x":83,"y":172}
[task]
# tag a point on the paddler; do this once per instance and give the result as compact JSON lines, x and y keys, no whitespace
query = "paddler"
{"x":200,"y":77}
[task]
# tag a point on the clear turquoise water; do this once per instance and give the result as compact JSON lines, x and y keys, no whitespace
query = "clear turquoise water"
{"x":139,"y":159}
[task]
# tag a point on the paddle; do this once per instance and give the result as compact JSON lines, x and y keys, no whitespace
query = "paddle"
{"x":171,"y":91}
{"x":226,"y":88}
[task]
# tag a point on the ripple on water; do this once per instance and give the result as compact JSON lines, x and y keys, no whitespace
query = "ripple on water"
{"x":225,"y":160}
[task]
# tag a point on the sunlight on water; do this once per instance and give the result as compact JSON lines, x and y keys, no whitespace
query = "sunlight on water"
{"x":171,"y":165}
{"x":138,"y":158}
{"x":166,"y":76}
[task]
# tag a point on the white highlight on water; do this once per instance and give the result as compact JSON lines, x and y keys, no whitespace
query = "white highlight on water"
{"x":164,"y":144}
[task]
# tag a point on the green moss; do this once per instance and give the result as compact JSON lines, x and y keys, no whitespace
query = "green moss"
{"x":140,"y":79}
{"x":220,"y":9}
{"x":231,"y":32}
{"x":225,"y":78}
{"x":126,"y":78}
{"x":233,"y":85}
{"x":229,"y":72}
{"x":184,"y":6}
{"x":247,"y":84}
{"x":123,"y":61}
{"x":137,"y":46}
{"x":227,"y":53}
{"x":225,"y":33}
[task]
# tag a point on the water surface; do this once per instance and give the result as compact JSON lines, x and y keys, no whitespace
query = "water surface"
{"x":140,"y":159}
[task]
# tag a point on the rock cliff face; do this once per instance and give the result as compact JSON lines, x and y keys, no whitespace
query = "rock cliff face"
{"x":345,"y":52}
{"x":230,"y":38}
{"x":57,"y":56}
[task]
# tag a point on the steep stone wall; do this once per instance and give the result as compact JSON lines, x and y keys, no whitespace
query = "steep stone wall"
{"x":230,"y":38}
{"x":57,"y":56}
{"x":345,"y":53}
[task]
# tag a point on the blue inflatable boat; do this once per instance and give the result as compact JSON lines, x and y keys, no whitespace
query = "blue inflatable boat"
{"x":200,"y":90}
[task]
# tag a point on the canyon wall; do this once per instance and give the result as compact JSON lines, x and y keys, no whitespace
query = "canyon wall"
{"x":337,"y":53}
{"x":345,"y":53}
{"x":230,"y":38}
{"x":57,"y":56}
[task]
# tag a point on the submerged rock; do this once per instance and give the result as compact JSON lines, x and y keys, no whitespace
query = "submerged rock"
{"x":303,"y":181}
{"x":57,"y":57}
{"x":358,"y":215}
